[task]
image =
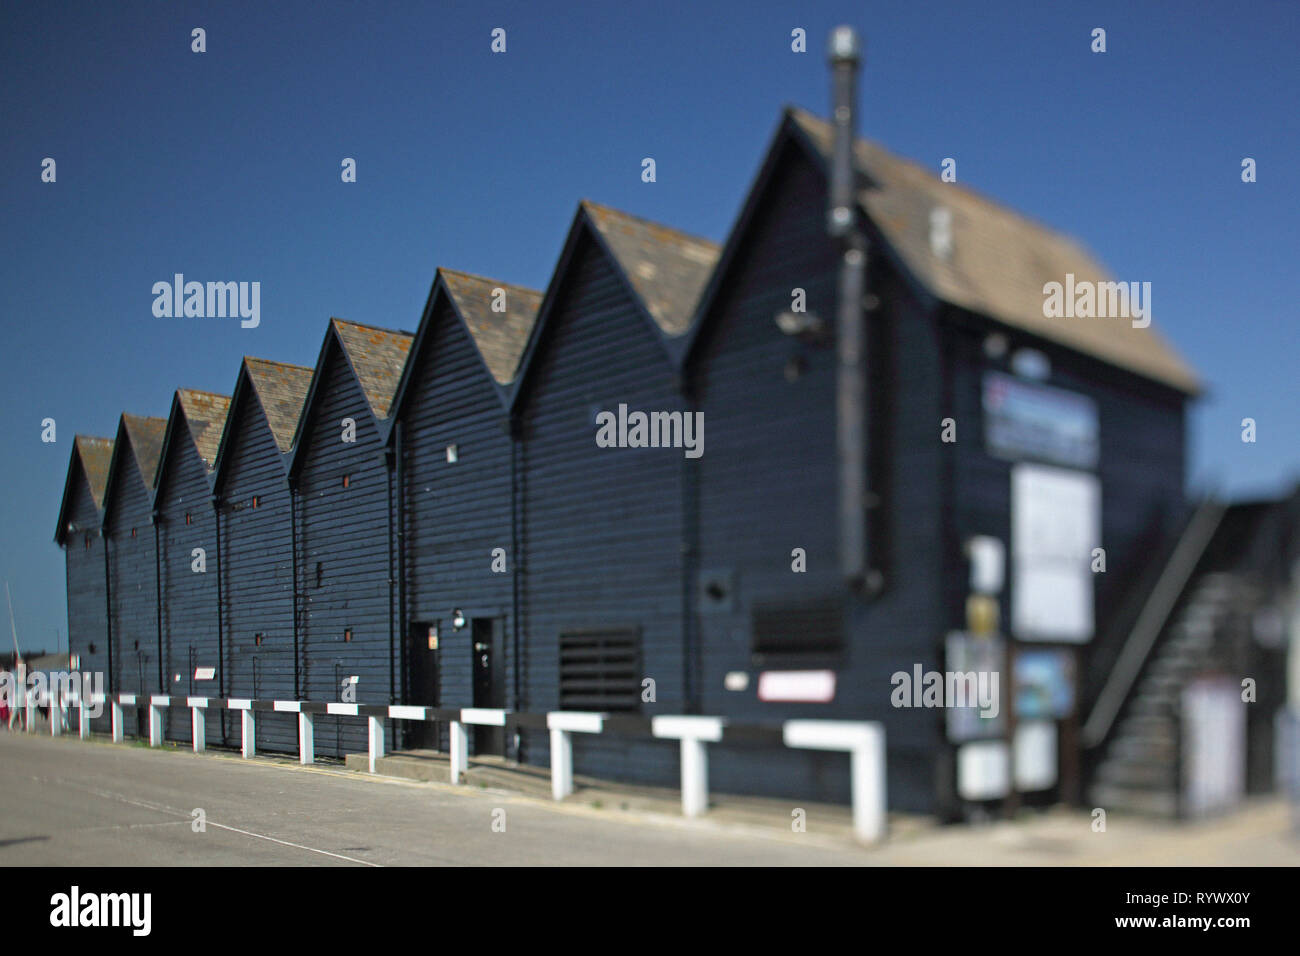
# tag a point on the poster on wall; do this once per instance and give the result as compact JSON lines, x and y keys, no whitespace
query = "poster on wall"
{"x":1044,"y":684}
{"x":1027,"y":420}
{"x":975,"y":664}
{"x":1055,"y":524}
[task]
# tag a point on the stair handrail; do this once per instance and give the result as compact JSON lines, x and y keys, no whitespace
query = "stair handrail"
{"x":1152,"y":619}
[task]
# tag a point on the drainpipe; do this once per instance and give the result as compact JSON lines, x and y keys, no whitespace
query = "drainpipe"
{"x":157,"y":597}
{"x":293,"y":563}
{"x":399,"y":471}
{"x":108,"y":607}
{"x":221,"y":627}
{"x":850,"y":387}
{"x":386,"y":456}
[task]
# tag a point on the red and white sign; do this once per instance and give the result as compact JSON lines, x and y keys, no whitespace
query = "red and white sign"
{"x":806,"y":687}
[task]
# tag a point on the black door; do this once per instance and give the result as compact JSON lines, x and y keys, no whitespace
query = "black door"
{"x":489,"y":682}
{"x":422,"y":648}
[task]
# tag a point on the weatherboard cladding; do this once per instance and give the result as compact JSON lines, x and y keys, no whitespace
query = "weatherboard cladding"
{"x":767,"y":485}
{"x":455,"y":514}
{"x":343,"y":532}
{"x":132,"y":604}
{"x":84,"y":555}
{"x":601,"y":527}
{"x":256,"y":555}
{"x":187,"y":521}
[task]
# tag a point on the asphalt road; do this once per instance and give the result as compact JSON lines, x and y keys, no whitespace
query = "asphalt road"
{"x":67,"y":802}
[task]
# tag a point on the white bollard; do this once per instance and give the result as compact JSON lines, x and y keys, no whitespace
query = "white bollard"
{"x":198,"y":726}
{"x":306,"y":739}
{"x":376,"y":735}
{"x":31,"y":712}
{"x":56,"y":715}
{"x":155,"y":724}
{"x":248,"y":747}
{"x":562,"y":724}
{"x":459,"y":750}
{"x":83,"y":720}
{"x":693,"y":732}
{"x":865,"y":743}
{"x":118,"y":734}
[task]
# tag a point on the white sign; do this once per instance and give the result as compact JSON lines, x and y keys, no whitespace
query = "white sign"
{"x":811,"y":687}
{"x":205,"y":673}
{"x":1055,"y":524}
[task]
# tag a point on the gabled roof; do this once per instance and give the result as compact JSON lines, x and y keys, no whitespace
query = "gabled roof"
{"x":140,"y":439}
{"x":999,"y":261}
{"x":92,"y":458}
{"x":666,"y":268}
{"x":665,"y":272}
{"x":281,"y":390}
{"x":377,"y":357}
{"x":145,"y":438}
{"x":205,"y":414}
{"x":197,"y":419}
{"x":500,"y":336}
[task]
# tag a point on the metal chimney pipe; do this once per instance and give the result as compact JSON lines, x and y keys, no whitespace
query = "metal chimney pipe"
{"x":842,"y":224}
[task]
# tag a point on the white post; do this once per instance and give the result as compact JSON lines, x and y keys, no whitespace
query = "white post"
{"x":865,"y":743}
{"x":249,"y":745}
{"x":198,"y":728}
{"x":56,"y":714}
{"x":561,"y":764}
{"x":376,"y":725}
{"x":31,"y":712}
{"x":83,"y":720}
{"x":459,"y":750}
{"x":155,"y":725}
{"x":306,"y":739}
{"x":693,"y":732}
{"x":116,"y":708}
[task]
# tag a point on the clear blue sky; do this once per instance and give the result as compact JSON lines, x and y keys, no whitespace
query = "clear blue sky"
{"x":225,"y":166}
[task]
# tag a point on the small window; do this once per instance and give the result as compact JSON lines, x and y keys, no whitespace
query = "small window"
{"x":189,"y":518}
{"x":87,"y":542}
{"x":133,"y":532}
{"x":320,"y":573}
{"x":347,"y":635}
{"x":347,"y":481}
{"x":453,"y":454}
{"x":600,"y":670}
{"x":90,"y":648}
{"x":257,"y":639}
{"x":257,"y":500}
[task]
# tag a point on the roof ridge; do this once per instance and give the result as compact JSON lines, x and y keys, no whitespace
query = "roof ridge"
{"x":483,"y":278}
{"x":367,"y":325}
{"x":695,"y":237}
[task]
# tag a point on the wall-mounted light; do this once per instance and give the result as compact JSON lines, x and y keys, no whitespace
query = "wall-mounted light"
{"x":458,"y":619}
{"x":453,"y":454}
{"x":433,"y":637}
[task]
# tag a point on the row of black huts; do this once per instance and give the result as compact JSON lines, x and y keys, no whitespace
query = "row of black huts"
{"x":428,"y":518}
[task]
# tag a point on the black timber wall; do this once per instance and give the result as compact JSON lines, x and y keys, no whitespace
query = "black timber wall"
{"x":133,"y":598}
{"x":189,"y":605}
{"x":342,"y":556}
{"x":87,"y":608}
{"x":455,"y":514}
{"x":256,"y":577}
{"x":767,"y":485}
{"x":602,"y":530}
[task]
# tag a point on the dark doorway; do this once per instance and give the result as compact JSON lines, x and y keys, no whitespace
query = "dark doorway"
{"x":489,"y":681}
{"x":422,"y":651}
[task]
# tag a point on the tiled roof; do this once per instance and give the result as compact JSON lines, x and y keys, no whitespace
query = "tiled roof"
{"x":667,"y":268}
{"x":999,"y":260}
{"x":500,"y":336}
{"x":96,"y":455}
{"x":281,"y":388}
{"x":205,"y":412}
{"x":378,"y":357}
{"x":146,"y":437}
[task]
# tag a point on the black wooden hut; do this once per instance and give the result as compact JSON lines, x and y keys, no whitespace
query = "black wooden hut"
{"x":342,"y":530}
{"x":187,"y":567}
{"x":259,"y":653}
{"x":456,"y":473}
